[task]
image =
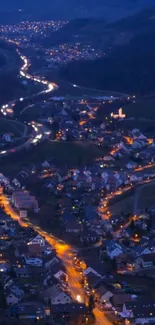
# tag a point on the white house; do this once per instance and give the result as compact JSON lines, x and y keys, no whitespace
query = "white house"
{"x":58,"y":270}
{"x":56,"y":296}
{"x":33,"y":261}
{"x":113,"y":249}
{"x":91,"y":270}
{"x":58,"y":275}
{"x":50,"y":260}
{"x":104,"y":294}
{"x":37,"y":240}
{"x":142,"y":313}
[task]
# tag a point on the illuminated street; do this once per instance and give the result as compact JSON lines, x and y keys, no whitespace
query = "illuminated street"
{"x":66,"y":254}
{"x":7,"y":110}
{"x":77,"y":155}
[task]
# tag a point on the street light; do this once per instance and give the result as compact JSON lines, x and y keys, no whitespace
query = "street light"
{"x":78,"y":298}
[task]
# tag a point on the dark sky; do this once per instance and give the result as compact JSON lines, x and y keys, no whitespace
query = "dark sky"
{"x":108,"y":9}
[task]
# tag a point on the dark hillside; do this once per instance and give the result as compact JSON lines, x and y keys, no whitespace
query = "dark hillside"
{"x":128,"y":67}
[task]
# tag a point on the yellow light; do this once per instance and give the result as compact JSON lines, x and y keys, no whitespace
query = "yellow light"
{"x":78,"y":298}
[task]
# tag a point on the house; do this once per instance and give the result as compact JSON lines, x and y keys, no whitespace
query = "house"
{"x":145,"y":261}
{"x":93,"y":280}
{"x":141,"y":312}
{"x":3,"y":179}
{"x":142,"y":250}
{"x":55,"y":295}
{"x":32,"y":260}
{"x":72,"y":309}
{"x":89,"y":237}
{"x":112,"y":183}
{"x":17,"y":291}
{"x":23,"y":200}
{"x":135,"y":133}
{"x":59,"y":272}
{"x":4,"y":267}
{"x":7,"y":282}
{"x":137,"y":144}
{"x":104,"y":294}
{"x":50,"y":259}
{"x":91,"y":270}
{"x":26,"y":272}
{"x":37,"y":244}
{"x":131,"y":165}
{"x":113,"y":249}
{"x":119,"y":299}
{"x":28,"y":310}
{"x":12,"y":299}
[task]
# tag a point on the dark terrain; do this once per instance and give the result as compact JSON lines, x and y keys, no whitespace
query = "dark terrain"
{"x":110,"y":10}
{"x":10,"y":84}
{"x":128,"y":63}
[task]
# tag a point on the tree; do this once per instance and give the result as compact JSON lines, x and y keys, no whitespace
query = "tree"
{"x":91,"y":303}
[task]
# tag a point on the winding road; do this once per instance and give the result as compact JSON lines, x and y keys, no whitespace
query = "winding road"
{"x":39,"y":131}
{"x":64,"y":251}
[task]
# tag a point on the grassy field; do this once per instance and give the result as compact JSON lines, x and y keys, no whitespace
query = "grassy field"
{"x":147,"y":196}
{"x":146,"y":199}
{"x":144,"y":108}
{"x":125,"y":206}
{"x":144,"y":125}
{"x":74,"y":153}
{"x":71,"y":154}
{"x":9,"y":126}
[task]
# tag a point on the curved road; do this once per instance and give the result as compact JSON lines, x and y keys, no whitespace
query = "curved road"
{"x":39,"y":131}
{"x":64,"y":251}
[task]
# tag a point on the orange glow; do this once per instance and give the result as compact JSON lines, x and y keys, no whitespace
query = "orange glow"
{"x":129,"y":140}
{"x":150,"y":141}
{"x":92,"y":117}
{"x":150,"y":165}
{"x":64,"y":251}
{"x":83,"y":122}
{"x":112,"y":152}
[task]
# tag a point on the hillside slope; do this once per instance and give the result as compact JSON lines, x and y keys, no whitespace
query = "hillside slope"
{"x":127,"y":67}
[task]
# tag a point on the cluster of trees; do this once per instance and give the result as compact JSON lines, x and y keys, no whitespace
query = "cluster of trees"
{"x":10,"y":84}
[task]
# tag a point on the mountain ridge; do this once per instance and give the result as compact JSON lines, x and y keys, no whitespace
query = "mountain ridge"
{"x":110,"y":10}
{"x":129,"y":64}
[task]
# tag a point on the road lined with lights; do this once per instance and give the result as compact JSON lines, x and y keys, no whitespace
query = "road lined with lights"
{"x":103,"y":207}
{"x":39,"y":131}
{"x":8,"y":109}
{"x":66,"y":253}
